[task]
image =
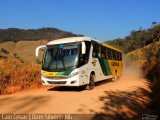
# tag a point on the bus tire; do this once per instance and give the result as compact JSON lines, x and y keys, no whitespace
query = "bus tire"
{"x":90,"y":86}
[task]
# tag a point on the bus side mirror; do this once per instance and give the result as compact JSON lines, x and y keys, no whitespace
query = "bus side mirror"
{"x":83,"y":48}
{"x":37,"y":49}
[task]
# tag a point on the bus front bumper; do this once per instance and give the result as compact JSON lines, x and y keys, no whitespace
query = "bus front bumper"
{"x":72,"y":81}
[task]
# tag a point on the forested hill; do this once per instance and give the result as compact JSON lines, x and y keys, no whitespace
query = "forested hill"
{"x":15,"y":34}
{"x":138,"y":38}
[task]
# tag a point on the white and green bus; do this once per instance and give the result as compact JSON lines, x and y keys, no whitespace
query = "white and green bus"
{"x":78,"y":61}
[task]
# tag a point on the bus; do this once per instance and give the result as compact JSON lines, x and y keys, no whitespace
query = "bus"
{"x":79,"y":61}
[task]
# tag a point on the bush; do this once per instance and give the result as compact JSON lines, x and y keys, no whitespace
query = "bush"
{"x":15,"y":74}
{"x":151,"y":70}
{"x":4,"y":51}
{"x":38,"y":61}
{"x":2,"y":57}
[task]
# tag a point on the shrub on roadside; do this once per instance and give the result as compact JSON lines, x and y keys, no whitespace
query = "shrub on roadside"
{"x":151,"y":70}
{"x":18,"y":76}
{"x":4,"y":51}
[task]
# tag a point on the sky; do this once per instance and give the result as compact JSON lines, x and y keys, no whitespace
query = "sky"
{"x":100,"y":19}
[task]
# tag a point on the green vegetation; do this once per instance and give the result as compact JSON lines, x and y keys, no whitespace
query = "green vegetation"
{"x":15,"y":34}
{"x":138,"y":39}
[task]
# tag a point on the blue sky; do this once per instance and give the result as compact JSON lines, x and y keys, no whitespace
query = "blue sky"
{"x":102,"y":19}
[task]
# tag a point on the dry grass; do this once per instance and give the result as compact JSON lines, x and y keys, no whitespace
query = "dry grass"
{"x":134,"y":59}
{"x":140,"y":56}
{"x":151,"y":70}
{"x":15,"y":76}
{"x":148,"y":59}
{"x":25,"y":50}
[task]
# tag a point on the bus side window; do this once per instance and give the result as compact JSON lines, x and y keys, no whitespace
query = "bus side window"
{"x":111,"y":54}
{"x":99,"y":53}
{"x":107,"y":53}
{"x":96,"y":51}
{"x":103,"y":50}
{"x":120,"y":56}
{"x":88,"y":46}
{"x":114,"y":54}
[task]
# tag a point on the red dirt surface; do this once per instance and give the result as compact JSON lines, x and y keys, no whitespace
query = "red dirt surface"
{"x":126,"y":98}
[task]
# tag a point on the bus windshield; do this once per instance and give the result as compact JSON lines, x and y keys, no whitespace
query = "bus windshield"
{"x":60,"y":57}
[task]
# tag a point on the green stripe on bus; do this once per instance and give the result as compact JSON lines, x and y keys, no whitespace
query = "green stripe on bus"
{"x":64,"y":73}
{"x":107,"y":66}
{"x":104,"y":66}
{"x":67,"y":72}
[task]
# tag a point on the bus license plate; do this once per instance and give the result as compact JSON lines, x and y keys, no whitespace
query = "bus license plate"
{"x":56,"y":85}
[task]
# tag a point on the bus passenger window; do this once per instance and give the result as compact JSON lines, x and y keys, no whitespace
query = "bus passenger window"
{"x":109,"y":54}
{"x":96,"y":51}
{"x":103,"y":50}
{"x":120,"y":56}
{"x":117,"y":55}
{"x":114,"y":55}
{"x":99,"y":51}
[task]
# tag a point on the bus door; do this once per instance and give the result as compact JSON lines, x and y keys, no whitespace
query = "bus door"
{"x":83,"y":61}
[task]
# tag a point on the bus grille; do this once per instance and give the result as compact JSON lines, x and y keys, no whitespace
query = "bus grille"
{"x":56,"y":77}
{"x":56,"y":82}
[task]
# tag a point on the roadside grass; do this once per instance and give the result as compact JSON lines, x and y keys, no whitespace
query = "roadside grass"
{"x":151,"y":70}
{"x":16,"y":76}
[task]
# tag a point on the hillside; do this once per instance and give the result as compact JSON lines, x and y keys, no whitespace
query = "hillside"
{"x":22,"y":50}
{"x":15,"y":34}
{"x":148,"y":59}
{"x":139,"y":56}
{"x":142,"y":49}
{"x":21,"y":44}
{"x":137,"y":39}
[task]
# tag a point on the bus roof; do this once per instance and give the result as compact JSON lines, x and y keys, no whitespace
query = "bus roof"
{"x":69,"y":39}
{"x":78,"y":39}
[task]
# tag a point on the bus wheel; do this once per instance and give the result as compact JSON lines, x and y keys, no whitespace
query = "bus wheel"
{"x":90,"y":86}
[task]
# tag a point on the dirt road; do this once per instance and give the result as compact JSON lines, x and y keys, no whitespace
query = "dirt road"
{"x":126,"y":98}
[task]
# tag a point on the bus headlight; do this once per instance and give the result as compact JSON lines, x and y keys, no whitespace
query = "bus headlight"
{"x":43,"y":74}
{"x":73,"y":74}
